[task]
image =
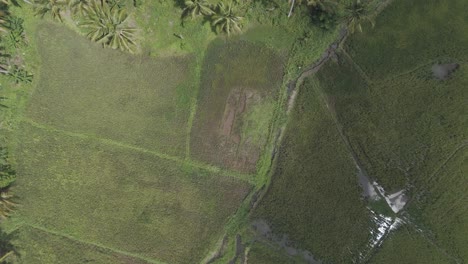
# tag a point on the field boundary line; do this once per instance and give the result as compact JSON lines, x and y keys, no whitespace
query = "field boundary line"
{"x":412,"y":70}
{"x":186,"y":162}
{"x":357,"y":67}
{"x":121,"y":252}
{"x":448,"y":158}
{"x":422,"y":234}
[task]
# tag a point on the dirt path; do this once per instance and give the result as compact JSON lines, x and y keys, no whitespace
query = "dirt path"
{"x":292,"y":92}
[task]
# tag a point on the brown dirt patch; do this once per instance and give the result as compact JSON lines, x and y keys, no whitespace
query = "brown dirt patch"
{"x":242,"y":154}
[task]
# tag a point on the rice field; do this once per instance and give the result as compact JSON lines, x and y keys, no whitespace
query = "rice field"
{"x":121,"y":198}
{"x":314,"y":197}
{"x":102,"y":160}
{"x":238,"y":91}
{"x":404,"y":115}
{"x":137,"y":100}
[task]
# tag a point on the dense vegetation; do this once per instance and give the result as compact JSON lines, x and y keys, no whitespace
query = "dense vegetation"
{"x":155,"y":141}
{"x":408,"y":126}
{"x":314,"y":197}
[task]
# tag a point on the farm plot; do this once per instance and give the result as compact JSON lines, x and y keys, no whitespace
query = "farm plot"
{"x":121,"y":198}
{"x":409,"y":34}
{"x":236,"y":100}
{"x":407,"y":246}
{"x":314,"y":197}
{"x":400,"y":129}
{"x":399,"y":92}
{"x":261,"y":253}
{"x":137,"y":100}
{"x":36,"y":246}
{"x":440,"y":207}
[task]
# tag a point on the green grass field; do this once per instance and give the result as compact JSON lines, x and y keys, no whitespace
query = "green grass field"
{"x":152,"y":157}
{"x":261,"y":253}
{"x":121,"y":198}
{"x":402,"y":129}
{"x":410,"y":34}
{"x":314,"y":196}
{"x":138,"y":100}
{"x":38,"y":246}
{"x":405,"y":124}
{"x":407,"y":246}
{"x":440,"y":207}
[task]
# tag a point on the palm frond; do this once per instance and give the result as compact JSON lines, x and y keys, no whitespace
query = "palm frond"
{"x":226,"y":19}
{"x":107,"y":25}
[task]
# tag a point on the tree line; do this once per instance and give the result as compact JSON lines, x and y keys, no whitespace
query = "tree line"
{"x":106,"y":21}
{"x":324,"y":13}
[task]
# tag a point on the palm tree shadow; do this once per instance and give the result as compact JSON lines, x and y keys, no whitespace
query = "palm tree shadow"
{"x":179,"y":3}
{"x":6,"y":244}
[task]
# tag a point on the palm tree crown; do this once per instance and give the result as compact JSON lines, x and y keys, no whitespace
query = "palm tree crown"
{"x":79,"y":6}
{"x":226,"y":19}
{"x":3,"y":21}
{"x":6,"y":204}
{"x":356,"y":13}
{"x":107,"y":25}
{"x":54,"y":7}
{"x":196,"y":8}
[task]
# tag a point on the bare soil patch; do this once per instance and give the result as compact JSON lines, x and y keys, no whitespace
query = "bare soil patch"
{"x":443,"y":71}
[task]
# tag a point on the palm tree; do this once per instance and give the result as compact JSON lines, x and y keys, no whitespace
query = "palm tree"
{"x":8,"y":2}
{"x":107,"y":25}
{"x":226,"y":19}
{"x":357,"y":13}
{"x":6,"y":204}
{"x":196,"y":8}
{"x":54,"y":7}
{"x":3,"y":70}
{"x":3,"y":21}
{"x":79,"y":6}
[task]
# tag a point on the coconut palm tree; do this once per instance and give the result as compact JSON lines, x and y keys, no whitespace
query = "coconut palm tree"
{"x":196,"y":8}
{"x":8,"y":2}
{"x":226,"y":19}
{"x":107,"y":25}
{"x":79,"y":6}
{"x":6,"y":255}
{"x":357,"y":13}
{"x":6,"y":204}
{"x":3,"y":69}
{"x":3,"y":21}
{"x":54,"y":7}
{"x":311,"y":3}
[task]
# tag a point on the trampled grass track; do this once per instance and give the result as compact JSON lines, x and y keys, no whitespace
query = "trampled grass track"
{"x":250,"y":178}
{"x":122,"y":252}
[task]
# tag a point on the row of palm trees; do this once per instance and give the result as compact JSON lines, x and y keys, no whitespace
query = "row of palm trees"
{"x":11,"y":36}
{"x":103,"y":21}
{"x":11,"y":30}
{"x":224,"y":17}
